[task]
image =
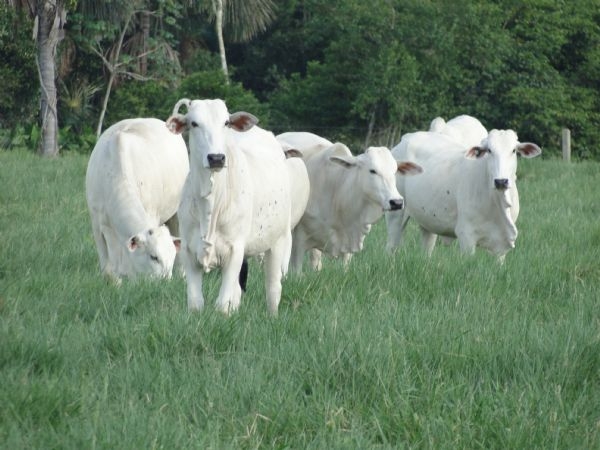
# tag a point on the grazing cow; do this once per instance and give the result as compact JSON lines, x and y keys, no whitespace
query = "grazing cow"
{"x":465,"y":129}
{"x":468,"y":194}
{"x":134,"y":180}
{"x":347,"y":195}
{"x":236,"y":201}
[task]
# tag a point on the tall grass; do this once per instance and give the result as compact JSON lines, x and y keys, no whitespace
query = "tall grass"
{"x":397,"y":351}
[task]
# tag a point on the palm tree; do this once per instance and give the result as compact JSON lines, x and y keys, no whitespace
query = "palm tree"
{"x":243,"y":18}
{"x":49,"y":19}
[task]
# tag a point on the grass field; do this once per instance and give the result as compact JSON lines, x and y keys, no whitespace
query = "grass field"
{"x":396,"y":352}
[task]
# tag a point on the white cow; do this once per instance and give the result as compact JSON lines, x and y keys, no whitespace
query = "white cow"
{"x":134,"y":180}
{"x":467,"y":194}
{"x":347,"y":195}
{"x":236,"y":201}
{"x":465,"y":129}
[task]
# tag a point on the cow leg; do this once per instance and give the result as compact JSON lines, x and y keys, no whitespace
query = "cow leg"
{"x":173,"y":226}
{"x":316,"y":259}
{"x":274,"y":270}
{"x":466,"y":238}
{"x":194,"y":274}
{"x":104,"y":256}
{"x":100,"y":246}
{"x":115,"y":262}
{"x":428,"y":240}
{"x":230,"y":293}
{"x":347,"y":258}
{"x":298,"y":250}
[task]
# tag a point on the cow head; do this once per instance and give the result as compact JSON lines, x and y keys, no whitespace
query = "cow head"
{"x":153,"y":251}
{"x":500,"y":150}
{"x":207,"y":122}
{"x":377,"y":170}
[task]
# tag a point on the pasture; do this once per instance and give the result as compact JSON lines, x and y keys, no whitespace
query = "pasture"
{"x":397,"y":352}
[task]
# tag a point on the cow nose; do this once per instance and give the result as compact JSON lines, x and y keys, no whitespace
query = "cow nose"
{"x":501,"y":183}
{"x":396,"y":204}
{"x":216,"y":160}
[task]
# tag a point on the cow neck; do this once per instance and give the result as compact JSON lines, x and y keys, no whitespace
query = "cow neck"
{"x":129,"y":214}
{"x":355,"y":216}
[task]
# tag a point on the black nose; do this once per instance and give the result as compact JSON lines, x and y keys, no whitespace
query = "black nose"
{"x":396,"y":204}
{"x":216,"y":160}
{"x":501,"y":183}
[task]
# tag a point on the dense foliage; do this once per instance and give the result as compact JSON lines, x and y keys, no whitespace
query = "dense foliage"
{"x":348,"y":69}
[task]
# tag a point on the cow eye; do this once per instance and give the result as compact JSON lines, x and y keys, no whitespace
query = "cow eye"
{"x":194,"y":124}
{"x":373,"y":171}
{"x":154,"y":258}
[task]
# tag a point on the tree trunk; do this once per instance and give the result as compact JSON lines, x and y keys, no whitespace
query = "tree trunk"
{"x":112,"y":65}
{"x":218,"y":9}
{"x":50,"y":19}
{"x":370,"y":127}
{"x":145,"y":24}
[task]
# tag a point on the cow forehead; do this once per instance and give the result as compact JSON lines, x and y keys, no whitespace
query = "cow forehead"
{"x":209,"y":112}
{"x":380,"y":158}
{"x":502,"y":141}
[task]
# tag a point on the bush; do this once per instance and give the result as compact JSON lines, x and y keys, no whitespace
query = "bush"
{"x":20,"y":87}
{"x":140,"y":99}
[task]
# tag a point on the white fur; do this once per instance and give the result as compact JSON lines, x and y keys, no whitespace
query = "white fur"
{"x":345,"y":197}
{"x":456,"y":196}
{"x":134,"y":180}
{"x":242,"y":209}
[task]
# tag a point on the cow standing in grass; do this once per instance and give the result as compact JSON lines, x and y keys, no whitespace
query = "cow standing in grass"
{"x":134,"y":180}
{"x":464,"y":193}
{"x":236,"y":201}
{"x":347,"y":195}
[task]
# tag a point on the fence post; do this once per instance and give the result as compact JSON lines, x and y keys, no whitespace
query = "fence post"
{"x":566,"y":144}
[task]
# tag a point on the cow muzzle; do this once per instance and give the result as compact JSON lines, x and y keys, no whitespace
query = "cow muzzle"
{"x":501,"y":184}
{"x":216,"y":160}
{"x":396,"y":204}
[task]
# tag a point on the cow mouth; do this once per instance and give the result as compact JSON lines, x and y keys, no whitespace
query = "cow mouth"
{"x":216,"y":167}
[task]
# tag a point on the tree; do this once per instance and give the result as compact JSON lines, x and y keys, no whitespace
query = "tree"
{"x":130,"y":44}
{"x":244,"y":19}
{"x":18,"y":91}
{"x":49,"y":17}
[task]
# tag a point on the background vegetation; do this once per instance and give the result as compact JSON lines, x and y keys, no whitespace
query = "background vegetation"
{"x":398,"y":351}
{"x":349,"y":70}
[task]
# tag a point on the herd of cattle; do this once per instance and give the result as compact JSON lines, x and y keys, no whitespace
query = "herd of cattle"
{"x":240,"y":191}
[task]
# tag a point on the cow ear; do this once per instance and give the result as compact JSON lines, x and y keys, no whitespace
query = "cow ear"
{"x":292,"y":153}
{"x":529,"y":150}
{"x":343,"y":161}
{"x":241,"y":121}
{"x":177,"y":243}
{"x":409,"y":168}
{"x":340,"y":154}
{"x":176,"y":124}
{"x":476,"y":152}
{"x":135,"y":242}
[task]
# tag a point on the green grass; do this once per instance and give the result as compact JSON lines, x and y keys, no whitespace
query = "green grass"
{"x":396,"y":352}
